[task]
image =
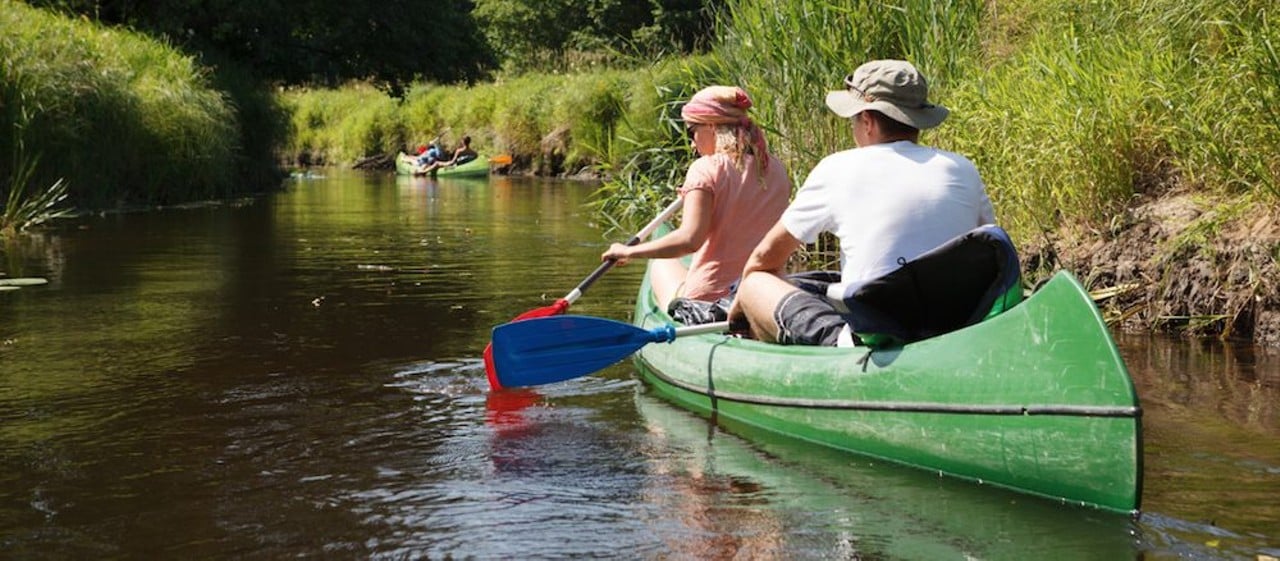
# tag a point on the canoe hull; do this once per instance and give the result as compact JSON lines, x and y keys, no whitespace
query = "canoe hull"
{"x":478,"y":167}
{"x":1036,"y":399}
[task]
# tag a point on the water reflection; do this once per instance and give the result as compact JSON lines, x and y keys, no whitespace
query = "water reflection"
{"x":775,"y":497}
{"x":299,"y":376}
{"x":1212,"y":434}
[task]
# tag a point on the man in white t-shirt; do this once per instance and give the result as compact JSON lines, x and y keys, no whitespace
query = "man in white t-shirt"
{"x":888,"y":201}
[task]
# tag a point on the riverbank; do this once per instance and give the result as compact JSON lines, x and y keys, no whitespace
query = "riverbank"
{"x":1176,"y":263}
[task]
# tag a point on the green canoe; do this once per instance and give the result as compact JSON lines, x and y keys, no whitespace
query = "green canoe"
{"x":478,"y":167}
{"x":1036,"y":399}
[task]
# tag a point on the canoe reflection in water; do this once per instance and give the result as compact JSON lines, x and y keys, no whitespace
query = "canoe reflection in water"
{"x":764,"y":498}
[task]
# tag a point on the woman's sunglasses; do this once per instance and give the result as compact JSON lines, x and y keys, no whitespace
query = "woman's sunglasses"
{"x":690,"y":130}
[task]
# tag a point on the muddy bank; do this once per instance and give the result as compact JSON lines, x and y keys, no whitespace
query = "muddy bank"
{"x":1180,"y":263}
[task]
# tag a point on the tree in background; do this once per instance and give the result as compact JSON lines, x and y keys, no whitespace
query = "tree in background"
{"x":395,"y":42}
{"x":324,"y":42}
{"x":558,"y":34}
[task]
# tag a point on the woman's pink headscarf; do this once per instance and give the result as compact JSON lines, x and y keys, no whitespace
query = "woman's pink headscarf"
{"x":727,"y":105}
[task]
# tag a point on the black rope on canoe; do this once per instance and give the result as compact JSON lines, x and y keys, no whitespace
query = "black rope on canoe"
{"x":711,"y":381}
{"x":865,"y":359}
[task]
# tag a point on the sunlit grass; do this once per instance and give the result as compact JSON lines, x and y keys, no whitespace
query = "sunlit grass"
{"x":1070,"y":110}
{"x":553,"y":123}
{"x":124,"y":118}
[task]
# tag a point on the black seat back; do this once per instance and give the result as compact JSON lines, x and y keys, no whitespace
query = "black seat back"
{"x":960,"y":283}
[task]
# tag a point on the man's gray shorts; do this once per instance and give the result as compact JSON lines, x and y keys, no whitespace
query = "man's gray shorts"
{"x":806,"y":316}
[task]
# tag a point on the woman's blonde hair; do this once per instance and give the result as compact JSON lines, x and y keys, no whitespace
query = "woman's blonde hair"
{"x":725,"y":109}
{"x":729,"y":141}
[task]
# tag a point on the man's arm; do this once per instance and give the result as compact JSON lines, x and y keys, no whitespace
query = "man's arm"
{"x":771,"y":254}
{"x":762,"y":286}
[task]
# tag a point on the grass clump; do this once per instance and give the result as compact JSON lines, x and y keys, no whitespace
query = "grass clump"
{"x":343,"y":124}
{"x":123,"y":118}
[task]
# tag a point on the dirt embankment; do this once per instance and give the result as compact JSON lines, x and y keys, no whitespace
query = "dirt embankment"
{"x":1179,"y":263}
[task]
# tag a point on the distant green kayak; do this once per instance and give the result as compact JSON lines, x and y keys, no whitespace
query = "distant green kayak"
{"x":1036,"y":399}
{"x":478,"y":167}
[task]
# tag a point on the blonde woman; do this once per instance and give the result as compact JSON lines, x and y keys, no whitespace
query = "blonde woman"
{"x":733,"y":193}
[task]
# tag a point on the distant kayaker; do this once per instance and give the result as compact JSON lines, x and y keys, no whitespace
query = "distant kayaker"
{"x":732,"y":194}
{"x":887,"y":201}
{"x":426,"y":155}
{"x":463,"y":153}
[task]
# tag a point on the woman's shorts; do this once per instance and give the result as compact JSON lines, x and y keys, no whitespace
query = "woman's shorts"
{"x":698,"y":312}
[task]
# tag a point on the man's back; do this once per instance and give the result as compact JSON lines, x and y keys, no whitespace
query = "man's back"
{"x":889,"y":203}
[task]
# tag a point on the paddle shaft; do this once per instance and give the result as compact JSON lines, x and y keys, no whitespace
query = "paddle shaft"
{"x":717,"y":327}
{"x":604,"y":267}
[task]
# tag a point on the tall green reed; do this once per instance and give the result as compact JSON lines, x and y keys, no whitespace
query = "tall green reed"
{"x":24,"y":204}
{"x":343,"y":125}
{"x":1070,"y":109}
{"x":789,"y":54}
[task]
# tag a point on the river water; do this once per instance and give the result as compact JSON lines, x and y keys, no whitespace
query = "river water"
{"x":299,"y":376}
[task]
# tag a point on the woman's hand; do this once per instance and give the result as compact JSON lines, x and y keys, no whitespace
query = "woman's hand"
{"x":618,"y":252}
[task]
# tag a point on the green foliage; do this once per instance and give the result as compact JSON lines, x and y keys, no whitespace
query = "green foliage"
{"x":1069,"y":109}
{"x":329,"y":42}
{"x":593,"y":108}
{"x":556,"y":35}
{"x":22,"y":206}
{"x":396,"y":43}
{"x":1080,"y":140}
{"x":1125,"y":99}
{"x":552,"y":123}
{"x":343,"y":125}
{"x":123,"y":118}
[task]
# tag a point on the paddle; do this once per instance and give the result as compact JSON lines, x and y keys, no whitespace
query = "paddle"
{"x":501,"y":159}
{"x":563,"y":304}
{"x":553,"y":349}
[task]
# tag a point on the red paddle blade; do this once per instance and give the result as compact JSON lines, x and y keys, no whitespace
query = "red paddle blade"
{"x":553,"y":310}
{"x":490,"y":370}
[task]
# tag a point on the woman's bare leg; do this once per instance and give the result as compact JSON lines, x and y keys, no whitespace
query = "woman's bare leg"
{"x":666,"y":276}
{"x":758,"y":297}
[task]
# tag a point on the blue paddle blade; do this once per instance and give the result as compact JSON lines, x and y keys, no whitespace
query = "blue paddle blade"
{"x":553,"y":349}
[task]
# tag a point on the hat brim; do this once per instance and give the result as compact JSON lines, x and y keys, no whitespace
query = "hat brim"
{"x":846,"y":104}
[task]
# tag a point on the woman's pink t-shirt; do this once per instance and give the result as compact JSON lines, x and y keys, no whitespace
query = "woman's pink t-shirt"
{"x":743,"y":210}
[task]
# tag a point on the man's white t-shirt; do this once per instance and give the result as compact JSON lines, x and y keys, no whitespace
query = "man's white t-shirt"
{"x":887,"y":203}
